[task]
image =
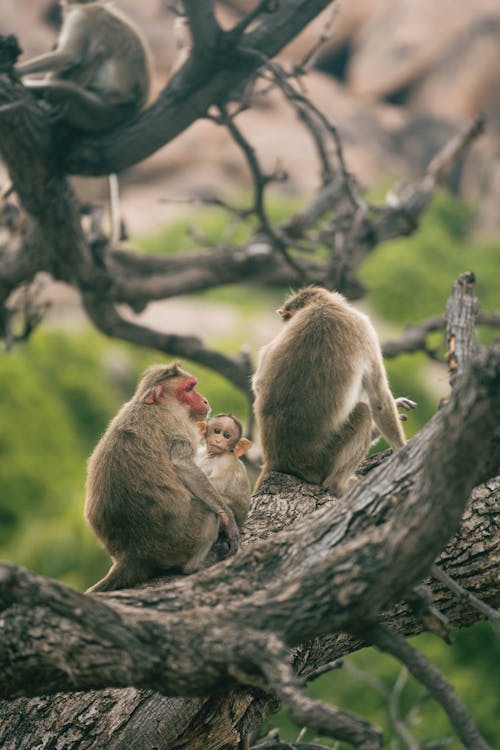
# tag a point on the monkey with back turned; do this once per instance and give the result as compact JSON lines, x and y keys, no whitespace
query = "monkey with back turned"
{"x":147,"y":501}
{"x":100,"y":70}
{"x":220,"y":461}
{"x":308,"y":388}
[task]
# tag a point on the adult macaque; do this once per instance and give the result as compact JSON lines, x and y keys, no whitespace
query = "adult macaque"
{"x":147,"y":501}
{"x":219,"y":460}
{"x":308,"y":386}
{"x":100,"y":70}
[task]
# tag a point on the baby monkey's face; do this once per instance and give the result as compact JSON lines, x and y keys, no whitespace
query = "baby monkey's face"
{"x":222,"y":435}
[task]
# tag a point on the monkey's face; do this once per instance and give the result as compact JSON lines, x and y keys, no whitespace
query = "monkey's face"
{"x":187,"y":395}
{"x":222,"y":435}
{"x":162,"y":384}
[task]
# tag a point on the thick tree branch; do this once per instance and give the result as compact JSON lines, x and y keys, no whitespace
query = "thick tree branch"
{"x":204,"y":27}
{"x":192,"y":91}
{"x":461,"y":314}
{"x":324,"y":575}
{"x":107,"y":319}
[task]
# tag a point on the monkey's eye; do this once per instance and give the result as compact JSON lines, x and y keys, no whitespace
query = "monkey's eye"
{"x":217,"y":430}
{"x":227,"y":435}
{"x":189,"y":388}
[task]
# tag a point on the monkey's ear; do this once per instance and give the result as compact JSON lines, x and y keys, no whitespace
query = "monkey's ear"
{"x":202,"y":426}
{"x":155,"y":395}
{"x":242,"y":446}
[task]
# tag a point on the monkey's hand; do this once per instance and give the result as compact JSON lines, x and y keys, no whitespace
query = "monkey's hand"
{"x":405,"y":403}
{"x":200,"y":487}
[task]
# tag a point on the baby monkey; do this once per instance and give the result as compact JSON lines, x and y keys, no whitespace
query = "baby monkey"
{"x":219,"y":460}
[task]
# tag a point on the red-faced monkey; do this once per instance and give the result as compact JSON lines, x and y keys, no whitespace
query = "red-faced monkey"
{"x":219,"y":460}
{"x":308,"y":386}
{"x":99,"y":72}
{"x":147,"y":501}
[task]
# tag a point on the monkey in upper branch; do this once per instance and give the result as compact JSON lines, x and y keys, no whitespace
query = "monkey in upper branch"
{"x":308,"y":388}
{"x":100,"y":71}
{"x":220,"y":461}
{"x":147,"y":500}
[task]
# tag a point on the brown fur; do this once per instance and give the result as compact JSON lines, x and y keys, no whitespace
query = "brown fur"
{"x":100,"y":71}
{"x":224,"y":469}
{"x":152,"y":510}
{"x":308,"y":386}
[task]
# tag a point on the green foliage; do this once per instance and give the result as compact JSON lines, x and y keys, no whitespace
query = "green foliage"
{"x":60,"y":391}
{"x":410,"y":278}
{"x":212,"y":226}
{"x":470,"y":664}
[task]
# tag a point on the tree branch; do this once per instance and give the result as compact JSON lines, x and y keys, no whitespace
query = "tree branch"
{"x":191,"y":92}
{"x":364,"y":563}
{"x":414,"y":338}
{"x":461,"y":314}
{"x":107,"y":319}
{"x":438,"y":687}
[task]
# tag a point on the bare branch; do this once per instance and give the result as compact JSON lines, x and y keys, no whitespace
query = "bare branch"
{"x":492,"y":615}
{"x":461,"y":313}
{"x":190,"y":93}
{"x":106,"y":318}
{"x":389,"y":641}
{"x":310,"y":58}
{"x":260,"y":181}
{"x":414,"y":338}
{"x":272,"y":658}
{"x":264,"y":6}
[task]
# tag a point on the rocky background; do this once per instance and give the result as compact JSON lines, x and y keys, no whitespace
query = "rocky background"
{"x":398,"y":77}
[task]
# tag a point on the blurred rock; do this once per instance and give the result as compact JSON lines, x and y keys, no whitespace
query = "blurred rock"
{"x":398,"y":78}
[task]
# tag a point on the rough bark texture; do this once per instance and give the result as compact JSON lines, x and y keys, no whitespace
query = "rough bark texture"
{"x":339,"y":565}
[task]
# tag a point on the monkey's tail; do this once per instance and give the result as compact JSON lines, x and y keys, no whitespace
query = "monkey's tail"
{"x":121,"y":575}
{"x":260,"y":478}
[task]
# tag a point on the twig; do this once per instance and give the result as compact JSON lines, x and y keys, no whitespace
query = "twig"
{"x":413,"y":338}
{"x":388,"y":640}
{"x":260,"y":181}
{"x":492,"y":615}
{"x":203,"y":24}
{"x":329,"y":667}
{"x":309,"y":59}
{"x":303,"y":102}
{"x":420,"y":601}
{"x":270,"y":655}
{"x":279,"y":744}
{"x":398,"y":723}
{"x":264,"y":6}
